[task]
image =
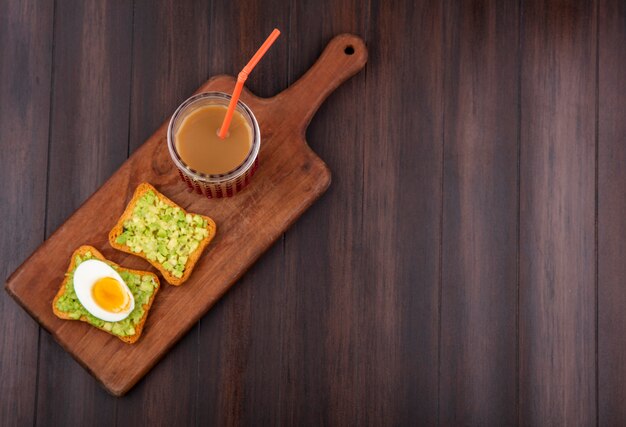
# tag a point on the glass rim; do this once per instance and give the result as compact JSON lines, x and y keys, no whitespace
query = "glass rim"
{"x":215,"y":178}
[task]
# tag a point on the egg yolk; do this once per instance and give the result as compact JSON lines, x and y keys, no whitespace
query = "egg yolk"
{"x":109,"y":294}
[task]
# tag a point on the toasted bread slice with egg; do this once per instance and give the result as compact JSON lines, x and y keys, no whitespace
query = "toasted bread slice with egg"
{"x":191,"y":258}
{"x":89,"y":252}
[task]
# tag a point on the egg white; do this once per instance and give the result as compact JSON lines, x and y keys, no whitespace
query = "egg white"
{"x":85,"y":276}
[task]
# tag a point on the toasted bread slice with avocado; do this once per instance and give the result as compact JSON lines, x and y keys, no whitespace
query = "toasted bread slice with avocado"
{"x":158,"y":230}
{"x":143,"y":284}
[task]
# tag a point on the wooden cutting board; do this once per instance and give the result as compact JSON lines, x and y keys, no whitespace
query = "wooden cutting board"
{"x":289,"y":179}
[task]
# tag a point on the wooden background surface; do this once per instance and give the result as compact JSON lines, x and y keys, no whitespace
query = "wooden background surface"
{"x":466,"y":266}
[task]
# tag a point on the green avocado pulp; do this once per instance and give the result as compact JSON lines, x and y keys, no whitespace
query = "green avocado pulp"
{"x":142,"y":288}
{"x":164,"y":233}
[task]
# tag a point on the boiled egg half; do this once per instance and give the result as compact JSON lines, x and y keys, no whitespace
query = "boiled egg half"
{"x":102,"y":292}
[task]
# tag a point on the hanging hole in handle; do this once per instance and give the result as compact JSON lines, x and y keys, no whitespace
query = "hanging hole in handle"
{"x":349,"y":50}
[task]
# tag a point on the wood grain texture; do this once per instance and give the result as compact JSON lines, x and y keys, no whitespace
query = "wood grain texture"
{"x":25,"y":30}
{"x":239,"y":356}
{"x":402,"y":157}
{"x":88,"y":142}
{"x":292,"y":178}
{"x":341,"y":321}
{"x":161,"y":80}
{"x":322,"y":376}
{"x":557,"y":318}
{"x":611,"y":213}
{"x":479,"y":284}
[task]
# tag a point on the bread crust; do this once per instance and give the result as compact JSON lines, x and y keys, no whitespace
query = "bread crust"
{"x":130,"y":339}
{"x":194,"y":256}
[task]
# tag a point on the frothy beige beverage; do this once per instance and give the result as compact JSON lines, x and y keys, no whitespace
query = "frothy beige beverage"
{"x":201,"y":149}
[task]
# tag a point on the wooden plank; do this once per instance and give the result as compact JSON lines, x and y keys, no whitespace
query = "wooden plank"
{"x":321,"y":336}
{"x":478,"y":384}
{"x":611,"y":212}
{"x":557,"y":215}
{"x":170,"y":60}
{"x":26,"y":49}
{"x":88,"y":142}
{"x":239,"y":340}
{"x":292,"y":178}
{"x":399,"y":256}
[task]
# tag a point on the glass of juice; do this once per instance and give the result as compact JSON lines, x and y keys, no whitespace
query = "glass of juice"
{"x":210,"y":165}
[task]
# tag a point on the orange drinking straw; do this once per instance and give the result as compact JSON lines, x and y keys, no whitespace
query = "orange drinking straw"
{"x":241,"y":78}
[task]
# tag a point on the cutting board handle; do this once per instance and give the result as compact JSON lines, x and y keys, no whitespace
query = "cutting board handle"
{"x":344,"y":56}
